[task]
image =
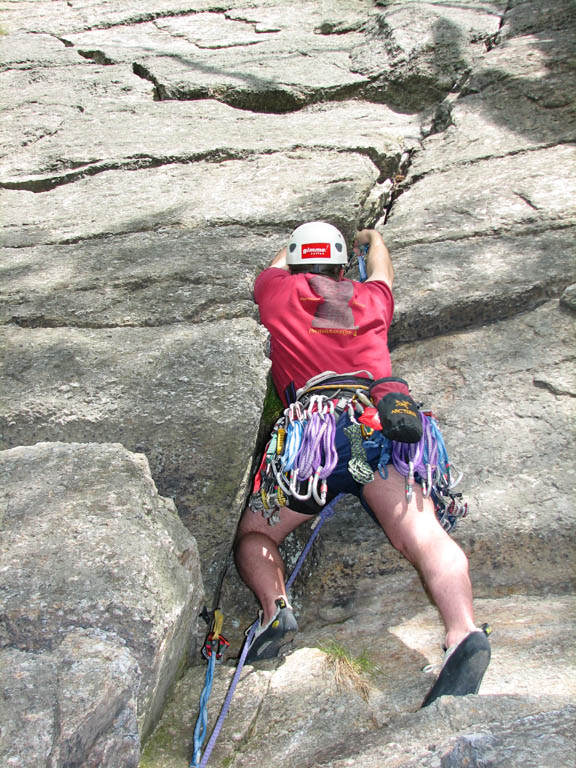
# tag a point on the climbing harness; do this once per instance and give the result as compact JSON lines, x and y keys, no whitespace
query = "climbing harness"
{"x":301,"y":453}
{"x":199,"y":759}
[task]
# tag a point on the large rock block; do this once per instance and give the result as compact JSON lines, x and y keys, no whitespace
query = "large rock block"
{"x":257,"y":59}
{"x":519,"y":97}
{"x":450,"y":285}
{"x":496,"y":195}
{"x":41,"y":16}
{"x":528,"y":16}
{"x":75,"y":705}
{"x":142,"y":279}
{"x":189,"y":396}
{"x":101,"y":590}
{"x":79,"y":86}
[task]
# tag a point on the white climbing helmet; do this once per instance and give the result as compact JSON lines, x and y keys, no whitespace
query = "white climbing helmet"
{"x":316,"y":243}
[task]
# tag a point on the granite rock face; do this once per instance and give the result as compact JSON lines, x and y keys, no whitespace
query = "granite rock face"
{"x":152,"y":161}
{"x":101,"y":591}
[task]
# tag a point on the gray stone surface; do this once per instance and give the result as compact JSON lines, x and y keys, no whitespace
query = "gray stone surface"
{"x":520,"y":97}
{"x":169,"y":392}
{"x":40,"y":16}
{"x":101,"y":591}
{"x":257,"y":60}
{"x":496,"y":195}
{"x":568,"y":298}
{"x":417,"y":52}
{"x":528,"y":16}
{"x":135,"y":136}
{"x":308,"y":717}
{"x":63,"y":87}
{"x":191,"y":196}
{"x":549,"y":735}
{"x":152,"y":160}
{"x":455,"y":283}
{"x":128,"y":281}
{"x":76,"y":705}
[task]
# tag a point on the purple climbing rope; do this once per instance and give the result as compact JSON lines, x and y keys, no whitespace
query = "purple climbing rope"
{"x":328,"y":512}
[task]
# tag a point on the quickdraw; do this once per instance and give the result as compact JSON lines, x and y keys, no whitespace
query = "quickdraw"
{"x":212,"y":651}
{"x":298,"y":458}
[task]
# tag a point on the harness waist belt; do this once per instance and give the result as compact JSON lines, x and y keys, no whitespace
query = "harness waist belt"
{"x":337,"y":385}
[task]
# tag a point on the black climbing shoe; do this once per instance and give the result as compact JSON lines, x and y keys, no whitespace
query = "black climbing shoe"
{"x":269,"y":640}
{"x":463,"y":669}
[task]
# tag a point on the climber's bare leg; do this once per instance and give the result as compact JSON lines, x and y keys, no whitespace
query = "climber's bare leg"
{"x":414,"y":530}
{"x":257,"y":557}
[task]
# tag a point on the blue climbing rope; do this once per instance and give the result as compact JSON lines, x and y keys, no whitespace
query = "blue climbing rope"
{"x":202,"y":721}
{"x":200,"y":730}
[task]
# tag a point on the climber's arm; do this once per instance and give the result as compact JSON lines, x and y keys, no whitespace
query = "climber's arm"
{"x":378,"y":262}
{"x":279,"y":260}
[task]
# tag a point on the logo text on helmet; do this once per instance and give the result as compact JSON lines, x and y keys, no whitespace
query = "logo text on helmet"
{"x":316,"y":251}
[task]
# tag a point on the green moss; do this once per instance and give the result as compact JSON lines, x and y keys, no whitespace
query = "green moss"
{"x":272,"y":406}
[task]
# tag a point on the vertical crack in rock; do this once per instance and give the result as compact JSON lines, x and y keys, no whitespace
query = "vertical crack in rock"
{"x":494,"y":40}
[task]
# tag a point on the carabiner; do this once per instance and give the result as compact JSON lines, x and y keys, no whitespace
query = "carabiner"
{"x":453,"y":483}
{"x":279,"y":475}
{"x":319,"y":498}
{"x":315,"y":401}
{"x":409,"y":486}
{"x":427,"y":484}
{"x":351,"y":413}
{"x":293,"y":482}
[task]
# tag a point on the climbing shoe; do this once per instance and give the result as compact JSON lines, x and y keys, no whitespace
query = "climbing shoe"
{"x":269,"y":640}
{"x":463,"y":668}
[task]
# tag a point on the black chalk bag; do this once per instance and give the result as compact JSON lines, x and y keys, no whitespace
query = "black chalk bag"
{"x":399,"y":414}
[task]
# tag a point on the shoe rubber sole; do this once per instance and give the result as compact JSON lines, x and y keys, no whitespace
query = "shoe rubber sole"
{"x":463,"y":671}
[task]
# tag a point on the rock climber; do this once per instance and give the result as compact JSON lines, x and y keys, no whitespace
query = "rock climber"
{"x":331,"y":365}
